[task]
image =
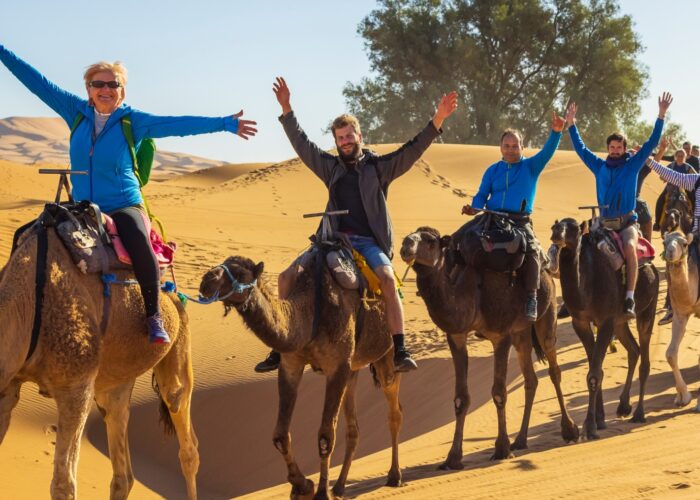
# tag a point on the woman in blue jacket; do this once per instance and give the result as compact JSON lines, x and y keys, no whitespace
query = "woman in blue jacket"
{"x":98,"y":147}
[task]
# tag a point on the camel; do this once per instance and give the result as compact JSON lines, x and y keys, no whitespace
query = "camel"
{"x":486,"y":302}
{"x":593,"y":292}
{"x":337,"y":350}
{"x":682,"y":274}
{"x":75,"y":362}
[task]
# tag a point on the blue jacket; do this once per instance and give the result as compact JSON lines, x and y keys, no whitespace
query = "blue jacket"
{"x":110,"y":182}
{"x":616,"y":187}
{"x":511,"y":186}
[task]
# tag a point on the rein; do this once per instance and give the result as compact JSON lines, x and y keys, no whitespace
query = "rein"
{"x":236,"y":287}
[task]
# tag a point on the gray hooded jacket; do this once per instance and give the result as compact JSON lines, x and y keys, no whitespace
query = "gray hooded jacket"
{"x":375,"y":173}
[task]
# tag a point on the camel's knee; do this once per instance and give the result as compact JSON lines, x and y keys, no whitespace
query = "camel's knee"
{"x":499,"y":396}
{"x":121,"y":486}
{"x":325,"y":444}
{"x":189,"y":459}
{"x":461,"y":404}
{"x":672,"y":356}
{"x":281,"y":442}
{"x":594,"y":379}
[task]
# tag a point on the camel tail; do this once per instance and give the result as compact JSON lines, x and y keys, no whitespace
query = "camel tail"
{"x":164,"y":417}
{"x":539,"y":352}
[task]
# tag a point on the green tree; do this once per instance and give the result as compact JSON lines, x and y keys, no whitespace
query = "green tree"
{"x":512,"y":62}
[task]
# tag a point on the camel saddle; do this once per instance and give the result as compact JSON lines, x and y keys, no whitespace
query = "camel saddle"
{"x":491,"y":242}
{"x":610,"y":244}
{"x":91,"y":237}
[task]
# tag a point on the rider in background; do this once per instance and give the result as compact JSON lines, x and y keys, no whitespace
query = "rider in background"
{"x":510,"y":185}
{"x":616,"y":187}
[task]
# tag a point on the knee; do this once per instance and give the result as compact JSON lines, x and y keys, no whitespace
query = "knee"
{"x":386,"y":279}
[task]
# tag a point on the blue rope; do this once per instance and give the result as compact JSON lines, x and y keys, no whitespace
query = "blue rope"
{"x":111,"y":279}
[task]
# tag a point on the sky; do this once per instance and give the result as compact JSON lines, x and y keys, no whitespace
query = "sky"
{"x":215,"y":57}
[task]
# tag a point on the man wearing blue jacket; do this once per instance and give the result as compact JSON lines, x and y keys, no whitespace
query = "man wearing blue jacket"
{"x":616,"y":186}
{"x":509,"y":186}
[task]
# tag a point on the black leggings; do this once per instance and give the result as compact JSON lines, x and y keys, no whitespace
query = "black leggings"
{"x":132,"y":232}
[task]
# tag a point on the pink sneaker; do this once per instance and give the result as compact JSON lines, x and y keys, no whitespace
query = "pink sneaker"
{"x":156,"y":332}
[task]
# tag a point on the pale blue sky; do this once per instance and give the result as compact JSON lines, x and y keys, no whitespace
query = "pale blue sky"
{"x":214,"y":57}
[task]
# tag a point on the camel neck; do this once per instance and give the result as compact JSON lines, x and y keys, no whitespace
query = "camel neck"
{"x":447,"y":306}
{"x":268,"y":318}
{"x":570,"y":278}
{"x":679,"y":287}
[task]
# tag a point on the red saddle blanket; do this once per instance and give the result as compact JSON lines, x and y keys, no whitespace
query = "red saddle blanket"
{"x":164,"y":251}
{"x":645,"y":251}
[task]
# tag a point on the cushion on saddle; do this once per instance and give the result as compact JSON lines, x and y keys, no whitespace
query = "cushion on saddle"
{"x":645,"y":250}
{"x":165,"y":252}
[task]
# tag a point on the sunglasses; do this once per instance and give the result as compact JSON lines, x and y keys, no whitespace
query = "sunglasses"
{"x":98,"y":84}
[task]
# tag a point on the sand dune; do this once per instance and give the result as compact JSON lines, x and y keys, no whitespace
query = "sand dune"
{"x":255,"y":210}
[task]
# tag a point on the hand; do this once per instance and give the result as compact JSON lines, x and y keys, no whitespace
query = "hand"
{"x":279,"y":87}
{"x":446,"y":106}
{"x":664,"y":103}
{"x":571,"y":114}
{"x":557,"y":122}
{"x":469,"y":210}
{"x":664,"y":142}
{"x":246,"y":128}
{"x":343,"y":237}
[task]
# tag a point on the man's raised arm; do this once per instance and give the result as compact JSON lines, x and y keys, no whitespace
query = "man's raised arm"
{"x":589,"y":159}
{"x":539,"y":161}
{"x":313,"y":157}
{"x":664,"y":102}
{"x":395,"y":164}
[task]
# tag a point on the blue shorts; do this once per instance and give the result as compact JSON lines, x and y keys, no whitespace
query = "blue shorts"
{"x":368,"y":248}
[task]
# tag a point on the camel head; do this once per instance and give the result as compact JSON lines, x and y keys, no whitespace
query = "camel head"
{"x":567,"y":233}
{"x":424,"y":246}
{"x":672,"y":221}
{"x":676,"y":246}
{"x":231,"y":282}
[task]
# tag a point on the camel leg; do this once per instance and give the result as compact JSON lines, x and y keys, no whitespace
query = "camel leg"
{"x":288,"y":378}
{"x":460,"y":360}
{"x":114,"y":406}
{"x":585,"y":334}
{"x":352,"y":434}
{"x":499,"y":394}
{"x":176,"y":383}
{"x":569,"y":430}
{"x":73,"y":407}
{"x":523,"y":346}
{"x":624,"y":335}
{"x":594,"y":380}
{"x":391,"y":392}
{"x":680,"y":321}
{"x":8,"y":400}
{"x":645,"y":326}
{"x":336,"y":383}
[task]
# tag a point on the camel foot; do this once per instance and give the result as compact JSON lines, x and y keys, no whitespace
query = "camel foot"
{"x":569,"y":432}
{"x":590,"y":431}
{"x":451,"y":464}
{"x":338,"y":490}
{"x":322,"y":494}
{"x":682,"y":399}
{"x":639,"y":417}
{"x":394,"y":479}
{"x":624,"y":409}
{"x":600,"y":424}
{"x":519,"y":444}
{"x":303,"y":493}
{"x":500,"y":455}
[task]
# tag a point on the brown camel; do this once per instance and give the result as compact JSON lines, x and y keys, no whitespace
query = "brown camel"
{"x":338,"y":350}
{"x":682,"y":274}
{"x":486,"y":302}
{"x":75,"y":362}
{"x":593,"y":292}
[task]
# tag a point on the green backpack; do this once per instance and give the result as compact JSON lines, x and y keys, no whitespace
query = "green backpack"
{"x":142,"y":157}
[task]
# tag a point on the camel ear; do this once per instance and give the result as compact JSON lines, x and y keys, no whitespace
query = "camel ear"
{"x":257,"y":271}
{"x":445,"y":241}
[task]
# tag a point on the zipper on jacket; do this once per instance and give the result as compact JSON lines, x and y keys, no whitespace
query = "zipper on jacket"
{"x":503,"y":202}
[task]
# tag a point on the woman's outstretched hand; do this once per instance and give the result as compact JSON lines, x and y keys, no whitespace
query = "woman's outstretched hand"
{"x":246,"y":128}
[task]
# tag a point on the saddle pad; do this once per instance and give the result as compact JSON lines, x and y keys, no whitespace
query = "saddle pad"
{"x":165,"y":252}
{"x":645,"y":250}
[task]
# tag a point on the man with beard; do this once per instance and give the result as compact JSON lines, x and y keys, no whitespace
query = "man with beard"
{"x":358,"y":180}
{"x":616,"y":187}
{"x":509,"y":185}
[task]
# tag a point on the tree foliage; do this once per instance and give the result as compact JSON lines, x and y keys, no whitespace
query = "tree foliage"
{"x":512,"y":62}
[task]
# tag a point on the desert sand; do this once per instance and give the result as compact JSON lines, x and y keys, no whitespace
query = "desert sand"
{"x":255,"y":210}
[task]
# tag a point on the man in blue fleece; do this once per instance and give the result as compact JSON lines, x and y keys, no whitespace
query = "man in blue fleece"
{"x":616,"y":186}
{"x":509,"y":186}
